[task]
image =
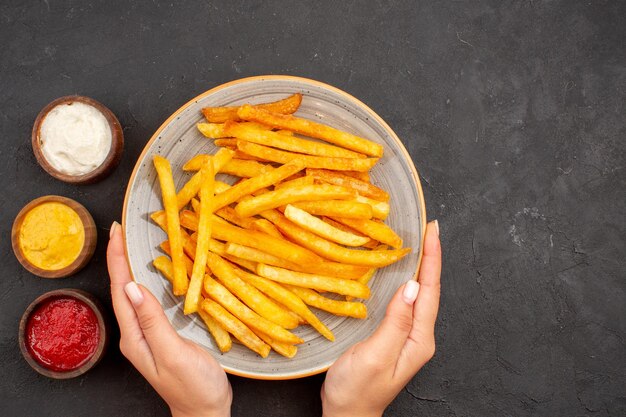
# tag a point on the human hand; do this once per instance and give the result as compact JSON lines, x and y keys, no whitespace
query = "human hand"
{"x":188,"y":378}
{"x":369,"y":375}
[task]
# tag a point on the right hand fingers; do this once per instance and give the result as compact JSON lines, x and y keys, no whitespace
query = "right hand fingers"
{"x":420,"y":346}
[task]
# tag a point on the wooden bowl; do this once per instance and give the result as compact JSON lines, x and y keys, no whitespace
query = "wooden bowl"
{"x":86,"y":298}
{"x":88,"y":247}
{"x":110,"y":162}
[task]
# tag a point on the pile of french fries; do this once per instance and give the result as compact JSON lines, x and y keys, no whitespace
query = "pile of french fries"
{"x":303,"y":221}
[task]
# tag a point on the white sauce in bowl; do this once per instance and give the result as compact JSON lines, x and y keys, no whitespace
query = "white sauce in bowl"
{"x":75,"y":138}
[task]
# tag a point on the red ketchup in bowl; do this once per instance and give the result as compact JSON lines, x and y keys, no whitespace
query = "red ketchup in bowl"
{"x":62,"y":334}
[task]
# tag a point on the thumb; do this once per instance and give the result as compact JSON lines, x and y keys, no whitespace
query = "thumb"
{"x":389,"y":339}
{"x":157,"y":330}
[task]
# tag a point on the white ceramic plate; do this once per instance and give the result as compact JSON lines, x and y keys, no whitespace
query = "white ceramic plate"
{"x":178,"y":140}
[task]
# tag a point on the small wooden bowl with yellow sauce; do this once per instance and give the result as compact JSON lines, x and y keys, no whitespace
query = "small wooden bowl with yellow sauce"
{"x":53,"y":236}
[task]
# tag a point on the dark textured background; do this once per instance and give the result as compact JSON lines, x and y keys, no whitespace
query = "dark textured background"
{"x":514,"y":113}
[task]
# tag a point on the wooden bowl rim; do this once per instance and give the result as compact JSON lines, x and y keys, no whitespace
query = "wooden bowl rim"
{"x":86,"y":252}
{"x":95,"y":306}
{"x":109,"y":163}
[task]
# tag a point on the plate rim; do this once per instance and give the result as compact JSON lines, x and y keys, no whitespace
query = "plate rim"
{"x":347,"y":96}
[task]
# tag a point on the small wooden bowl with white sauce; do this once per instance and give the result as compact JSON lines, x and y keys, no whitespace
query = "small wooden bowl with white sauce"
{"x":61,"y":124}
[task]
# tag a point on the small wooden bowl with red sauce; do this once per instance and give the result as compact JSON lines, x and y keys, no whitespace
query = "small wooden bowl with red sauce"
{"x":63,"y":333}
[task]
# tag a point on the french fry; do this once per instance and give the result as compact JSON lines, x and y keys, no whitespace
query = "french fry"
{"x":325,"y":230}
{"x":229,"y":213}
{"x":192,"y":187}
{"x":378,"y":231}
{"x":223,"y":114}
{"x":253,"y":184}
{"x":287,"y":350}
{"x":296,"y":182}
{"x":246,"y":157}
{"x":284,"y":132}
{"x":245,"y":169}
{"x":180,"y":282}
{"x":220,"y":159}
{"x":283,"y":196}
{"x":289,"y":143}
{"x":252,"y":297}
{"x":363,"y":176}
{"x":330,"y":250}
{"x":270,"y":244}
{"x":363,"y":188}
{"x":192,"y":299}
{"x":220,"y":335}
{"x":165,"y":247}
{"x":236,"y":327}
{"x":265,"y":226}
{"x":310,"y":128}
{"x":212,"y":130}
{"x":224,"y":297}
{"x":349,"y":209}
{"x":371,"y":243}
{"x":338,"y":308}
{"x":314,"y":281}
{"x":229,"y":143}
{"x":380,"y":209}
{"x":289,"y":299}
{"x":333,"y":269}
{"x":310,"y":161}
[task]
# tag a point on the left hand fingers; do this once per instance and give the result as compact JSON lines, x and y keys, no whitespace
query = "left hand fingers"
{"x":132,"y":343}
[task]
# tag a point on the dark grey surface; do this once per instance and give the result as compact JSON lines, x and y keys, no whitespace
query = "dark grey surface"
{"x":512,"y":111}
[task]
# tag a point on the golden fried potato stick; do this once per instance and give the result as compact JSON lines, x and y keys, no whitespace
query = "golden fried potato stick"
{"x":320,"y":228}
{"x":265,"y":226}
{"x":310,"y":161}
{"x":330,"y":250}
{"x":168,"y":192}
{"x":252,"y":297}
{"x":344,"y":208}
{"x":311,"y":129}
{"x":165,"y":247}
{"x":229,"y":213}
{"x":380,"y":209}
{"x":220,"y":335}
{"x":378,"y":231}
{"x":223,"y":114}
{"x":363,"y":176}
{"x":192,"y":299}
{"x":220,"y":294}
{"x":296,"y":182}
{"x":253,"y":184}
{"x":212,"y":130}
{"x":284,"y":349}
{"x":282,"y":196}
{"x":235,"y":327}
{"x":218,"y":248}
{"x":253,"y":134}
{"x":221,"y":159}
{"x":314,"y":281}
{"x":338,"y":308}
{"x":245,"y":169}
{"x":288,"y":299}
{"x":270,"y":244}
{"x":192,"y":187}
{"x":331,"y":269}
{"x":363,"y":188}
{"x":371,"y":243}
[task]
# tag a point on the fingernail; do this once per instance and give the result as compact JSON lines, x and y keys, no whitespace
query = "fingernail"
{"x":436,"y":223}
{"x":133,"y":293}
{"x":114,"y":226}
{"x":409,"y":294}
